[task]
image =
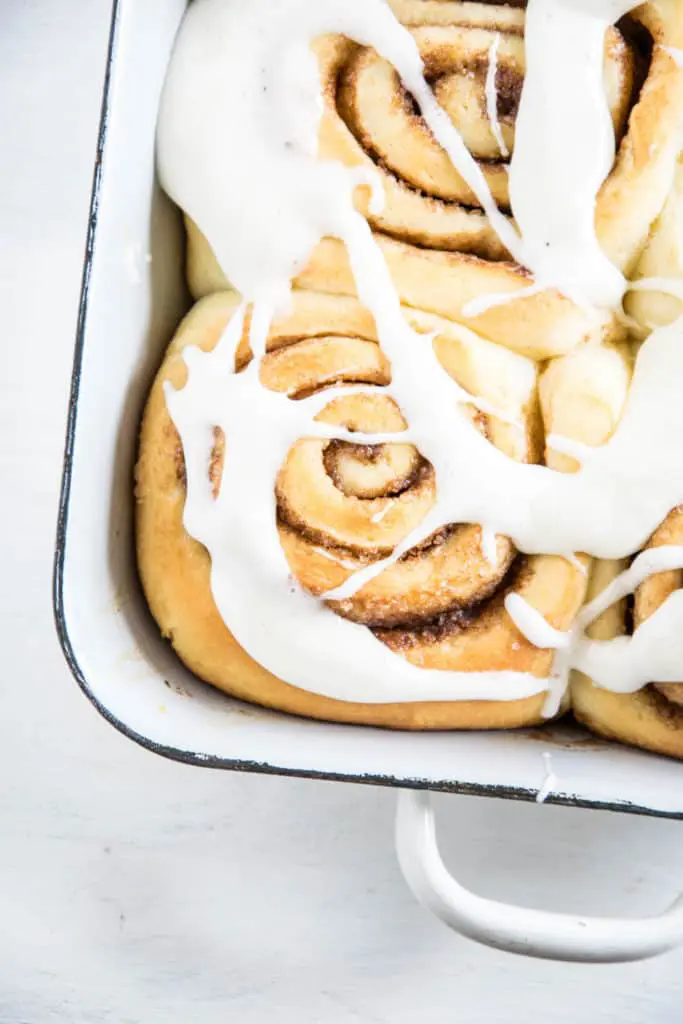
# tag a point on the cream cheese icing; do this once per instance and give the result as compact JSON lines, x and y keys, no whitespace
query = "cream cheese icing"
{"x":492,"y":98}
{"x":239,"y":117}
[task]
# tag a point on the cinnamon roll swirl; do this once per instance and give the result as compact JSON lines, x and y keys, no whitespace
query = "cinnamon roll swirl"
{"x":343,"y":506}
{"x":438,"y":243}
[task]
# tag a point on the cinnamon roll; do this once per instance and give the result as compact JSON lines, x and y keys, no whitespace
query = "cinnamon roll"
{"x":651,"y":718}
{"x":342,"y":506}
{"x":438,"y":243}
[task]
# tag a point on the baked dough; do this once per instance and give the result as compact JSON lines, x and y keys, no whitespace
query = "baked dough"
{"x":440,"y":607}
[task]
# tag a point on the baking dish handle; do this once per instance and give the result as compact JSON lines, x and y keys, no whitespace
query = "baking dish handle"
{"x":520,"y":930}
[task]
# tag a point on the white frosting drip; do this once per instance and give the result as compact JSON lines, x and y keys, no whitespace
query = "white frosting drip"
{"x":489,"y":547}
{"x":475,"y":307}
{"x":379,"y":516}
{"x":564,"y":147}
{"x":239,"y":118}
{"x":674,"y":52}
{"x":345,"y":562}
{"x":549,"y":779}
{"x":489,"y":409}
{"x":653,"y":654}
{"x":492,"y":98}
{"x":577,"y":563}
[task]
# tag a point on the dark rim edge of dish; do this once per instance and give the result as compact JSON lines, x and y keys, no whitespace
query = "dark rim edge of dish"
{"x":175,"y":753}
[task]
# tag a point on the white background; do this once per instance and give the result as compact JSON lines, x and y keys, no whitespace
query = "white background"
{"x":137,"y":891}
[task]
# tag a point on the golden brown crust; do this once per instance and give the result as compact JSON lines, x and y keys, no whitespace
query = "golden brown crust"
{"x":643,"y":719}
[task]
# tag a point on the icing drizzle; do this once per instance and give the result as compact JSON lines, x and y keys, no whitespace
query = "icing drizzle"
{"x":239,"y":117}
{"x":492,"y":98}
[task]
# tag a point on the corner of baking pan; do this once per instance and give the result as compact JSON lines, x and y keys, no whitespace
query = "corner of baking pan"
{"x":197,"y":759}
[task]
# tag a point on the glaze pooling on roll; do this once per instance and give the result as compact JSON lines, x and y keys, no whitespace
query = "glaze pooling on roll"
{"x":260,"y":56}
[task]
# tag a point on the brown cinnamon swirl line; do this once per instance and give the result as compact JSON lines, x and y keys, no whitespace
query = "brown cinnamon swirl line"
{"x":342,"y":506}
{"x":653,"y":717}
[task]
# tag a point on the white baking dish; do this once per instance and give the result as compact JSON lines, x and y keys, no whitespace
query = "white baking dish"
{"x":132,"y":298}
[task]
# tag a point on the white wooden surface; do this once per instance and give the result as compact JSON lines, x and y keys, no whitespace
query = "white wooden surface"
{"x":136,"y":891}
